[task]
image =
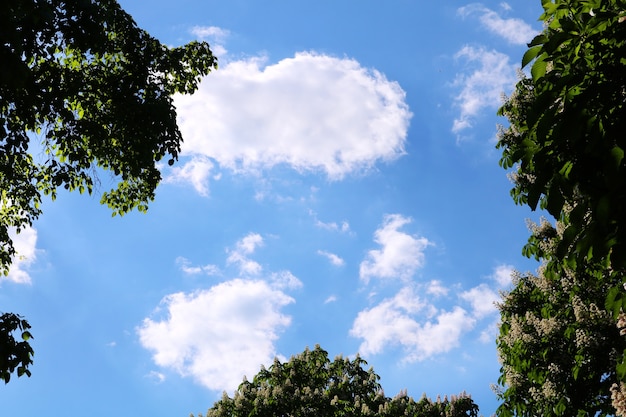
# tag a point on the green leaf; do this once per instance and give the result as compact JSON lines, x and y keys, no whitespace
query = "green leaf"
{"x":566,"y":169}
{"x":614,"y":301}
{"x":617,"y":154}
{"x":530,"y":54}
{"x":539,"y":68}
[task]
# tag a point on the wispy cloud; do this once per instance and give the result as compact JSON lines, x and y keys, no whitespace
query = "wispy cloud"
{"x":343,"y":227}
{"x":157,"y":377}
{"x":215,"y":35}
{"x":513,"y":30}
{"x":487,"y":75}
{"x":332,"y":258}
{"x":250,"y":116}
{"x":400,"y":254}
{"x":188,"y":268}
{"x":243,"y":248}
{"x":25,"y":244}
{"x":330,"y":299}
{"x":436,"y":288}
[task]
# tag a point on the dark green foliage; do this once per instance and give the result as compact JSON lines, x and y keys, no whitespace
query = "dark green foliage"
{"x":566,"y":136}
{"x":309,"y":384}
{"x":95,"y":91}
{"x":14,"y":354}
{"x":566,"y":143}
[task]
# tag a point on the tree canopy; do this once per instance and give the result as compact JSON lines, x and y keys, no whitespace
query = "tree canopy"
{"x":84,"y":90}
{"x":560,"y":340}
{"x":558,"y":344}
{"x":566,"y":128}
{"x":309,"y":384}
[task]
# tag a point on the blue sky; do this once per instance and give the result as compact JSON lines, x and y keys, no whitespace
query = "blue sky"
{"x":339,"y":185}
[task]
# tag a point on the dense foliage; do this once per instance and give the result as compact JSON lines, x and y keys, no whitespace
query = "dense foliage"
{"x":560,"y":339}
{"x":558,"y":344}
{"x":567,"y":123}
{"x":309,"y":384}
{"x":83,"y":90}
{"x":14,"y":354}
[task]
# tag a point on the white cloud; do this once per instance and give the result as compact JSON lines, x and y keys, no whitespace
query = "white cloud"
{"x":396,"y":322}
{"x":244,"y":247}
{"x":285,"y":280}
{"x":196,"y":172}
{"x":218,"y":335}
{"x":503,"y":276}
{"x":489,"y":75}
{"x":344,"y":227}
{"x":334,"y":259}
{"x":513,"y":30}
{"x":312,"y":112}
{"x":25,"y":244}
{"x":482,"y":299}
{"x":401,"y":254}
{"x":330,"y":299}
{"x":158,"y":377}
{"x":215,"y":35}
{"x":436,"y":288}
{"x":187,"y":268}
{"x":210,"y":32}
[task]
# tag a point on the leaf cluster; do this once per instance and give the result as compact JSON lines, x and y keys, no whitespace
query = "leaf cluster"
{"x":96,"y":91}
{"x":14,"y":354}
{"x":309,"y":384}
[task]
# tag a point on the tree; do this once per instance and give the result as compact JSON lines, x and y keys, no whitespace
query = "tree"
{"x":566,"y":128}
{"x":309,"y":384}
{"x":566,"y":143}
{"x":95,"y":91}
{"x":558,"y":345}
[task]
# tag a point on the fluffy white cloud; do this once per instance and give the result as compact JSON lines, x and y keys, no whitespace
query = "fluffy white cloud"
{"x":407,"y":321}
{"x":421,"y":327}
{"x":513,"y":30}
{"x":400,"y":255}
{"x":489,"y":74}
{"x":311,"y":112}
{"x":218,"y":335}
{"x":482,"y":299}
{"x":25,"y":244}
{"x":197,"y":172}
{"x":332,"y":258}
{"x":503,"y":276}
